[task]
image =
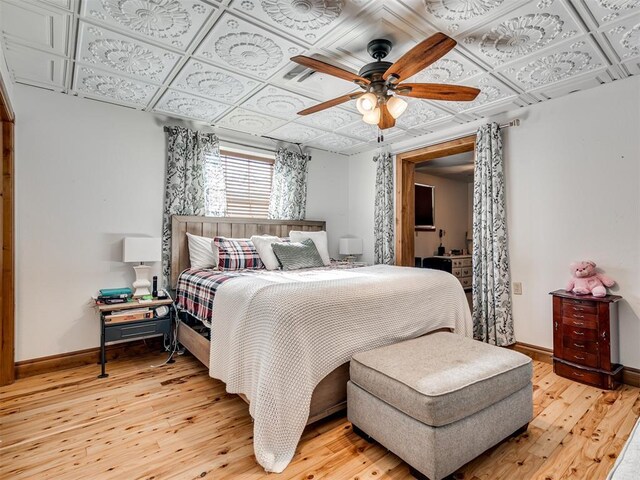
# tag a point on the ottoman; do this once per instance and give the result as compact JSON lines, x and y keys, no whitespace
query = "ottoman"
{"x":440,"y":400}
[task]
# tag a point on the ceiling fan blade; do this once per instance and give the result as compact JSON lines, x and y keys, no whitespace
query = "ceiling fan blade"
{"x":438,"y":91}
{"x":386,"y":120}
{"x":323,"y":67}
{"x":421,"y":56}
{"x":330,"y":103}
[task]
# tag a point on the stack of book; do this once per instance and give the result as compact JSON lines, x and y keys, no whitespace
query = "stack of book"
{"x":129,"y":315}
{"x":111,"y":296}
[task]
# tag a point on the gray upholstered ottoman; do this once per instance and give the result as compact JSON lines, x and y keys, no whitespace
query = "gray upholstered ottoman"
{"x":440,"y":400}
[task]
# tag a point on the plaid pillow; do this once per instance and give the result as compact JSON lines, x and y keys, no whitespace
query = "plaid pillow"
{"x":237,"y":254}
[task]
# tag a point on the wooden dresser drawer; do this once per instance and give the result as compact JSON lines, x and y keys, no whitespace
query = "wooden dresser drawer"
{"x":579,"y":345}
{"x":582,"y":358}
{"x":576,"y":373}
{"x":581,"y":320}
{"x":456,"y":272}
{"x":580,"y":334}
{"x":570,"y":308}
{"x":466,"y":262}
{"x":465,"y":281}
{"x":466,"y":271}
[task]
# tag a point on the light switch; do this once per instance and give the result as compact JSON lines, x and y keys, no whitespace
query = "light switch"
{"x":517,"y":288}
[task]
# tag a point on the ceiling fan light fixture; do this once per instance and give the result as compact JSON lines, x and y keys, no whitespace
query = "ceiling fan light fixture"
{"x":396,"y":106}
{"x":372,"y":117}
{"x":367,"y":103}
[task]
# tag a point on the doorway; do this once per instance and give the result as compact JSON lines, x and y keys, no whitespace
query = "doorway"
{"x":405,"y":190}
{"x":7,"y":305}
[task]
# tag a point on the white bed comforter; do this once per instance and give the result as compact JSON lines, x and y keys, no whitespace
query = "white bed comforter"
{"x":277,"y":335}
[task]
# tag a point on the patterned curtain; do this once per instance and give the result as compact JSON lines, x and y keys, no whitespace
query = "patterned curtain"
{"x":383,"y":212}
{"x":194,"y":184}
{"x":289,"y":186}
{"x":492,"y":319}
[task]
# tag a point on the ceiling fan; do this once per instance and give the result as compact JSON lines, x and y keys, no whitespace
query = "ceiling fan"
{"x":379,"y":103}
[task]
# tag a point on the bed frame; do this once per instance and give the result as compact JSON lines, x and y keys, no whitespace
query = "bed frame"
{"x":330,"y":395}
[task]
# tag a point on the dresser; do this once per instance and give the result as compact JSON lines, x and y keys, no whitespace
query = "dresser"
{"x":585,"y":339}
{"x":457,"y":265}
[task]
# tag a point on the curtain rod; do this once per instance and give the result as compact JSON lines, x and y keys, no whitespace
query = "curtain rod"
{"x":166,"y":129}
{"x":512,"y":123}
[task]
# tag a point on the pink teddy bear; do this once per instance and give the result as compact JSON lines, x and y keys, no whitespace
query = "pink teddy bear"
{"x":587,"y":281}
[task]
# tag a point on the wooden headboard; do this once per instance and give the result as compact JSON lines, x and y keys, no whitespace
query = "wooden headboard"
{"x":232,"y":227}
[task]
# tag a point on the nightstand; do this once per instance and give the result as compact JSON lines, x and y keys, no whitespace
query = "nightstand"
{"x":585,"y":339}
{"x":116,"y":324}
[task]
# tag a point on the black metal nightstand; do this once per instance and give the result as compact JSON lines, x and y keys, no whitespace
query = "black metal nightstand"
{"x":116,"y":328}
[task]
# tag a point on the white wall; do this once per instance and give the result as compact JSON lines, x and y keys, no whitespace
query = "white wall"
{"x":573,"y":192}
{"x":87,"y":175}
{"x":451,"y":215}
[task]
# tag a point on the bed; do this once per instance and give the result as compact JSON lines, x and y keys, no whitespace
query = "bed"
{"x":259,"y":317}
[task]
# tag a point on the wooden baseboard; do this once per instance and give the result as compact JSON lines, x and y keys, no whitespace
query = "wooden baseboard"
{"x":630,"y":376}
{"x":35,"y":366}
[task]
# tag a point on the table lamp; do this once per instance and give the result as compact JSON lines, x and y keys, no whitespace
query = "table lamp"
{"x":140,"y":250}
{"x":350,"y":247}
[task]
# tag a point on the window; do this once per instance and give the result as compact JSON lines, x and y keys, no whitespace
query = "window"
{"x":248,"y":184}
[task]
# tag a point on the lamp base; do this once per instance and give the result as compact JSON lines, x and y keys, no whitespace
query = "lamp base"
{"x":142,"y":282}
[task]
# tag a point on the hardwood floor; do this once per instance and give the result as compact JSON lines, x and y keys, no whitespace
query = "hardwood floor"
{"x":176,"y":422}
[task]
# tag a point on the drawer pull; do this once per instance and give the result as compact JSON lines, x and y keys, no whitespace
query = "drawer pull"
{"x":578,"y":333}
{"x":579,"y":323}
{"x":578,"y":357}
{"x":579,"y":345}
{"x":575,"y":315}
{"x":577,"y":374}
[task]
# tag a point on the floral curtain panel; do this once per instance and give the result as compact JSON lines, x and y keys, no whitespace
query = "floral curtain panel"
{"x":289,"y":186}
{"x":492,"y":318}
{"x":383,"y":211}
{"x":194,"y":183}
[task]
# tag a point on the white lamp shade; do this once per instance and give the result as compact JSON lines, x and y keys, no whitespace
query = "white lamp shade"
{"x":350,"y":246}
{"x":140,"y":249}
{"x":366,"y":103}
{"x":396,"y":106}
{"x":372,"y":117}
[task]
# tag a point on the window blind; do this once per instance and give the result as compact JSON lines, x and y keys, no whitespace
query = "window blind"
{"x":248,"y":184}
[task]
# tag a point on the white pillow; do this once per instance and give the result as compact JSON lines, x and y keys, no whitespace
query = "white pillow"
{"x":202,"y":252}
{"x":319,"y":239}
{"x":263,"y":246}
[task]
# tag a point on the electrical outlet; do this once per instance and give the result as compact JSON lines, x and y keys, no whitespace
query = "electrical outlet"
{"x":517,"y":288}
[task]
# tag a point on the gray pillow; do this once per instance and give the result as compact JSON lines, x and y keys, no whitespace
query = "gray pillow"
{"x":294,"y":256}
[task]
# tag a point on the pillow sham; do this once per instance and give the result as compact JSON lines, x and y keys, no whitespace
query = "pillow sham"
{"x":263,"y":247}
{"x":202,"y":252}
{"x":237,"y":254}
{"x":319,"y":239}
{"x":294,"y":256}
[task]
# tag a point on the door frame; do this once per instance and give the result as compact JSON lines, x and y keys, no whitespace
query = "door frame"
{"x":405,"y":190}
{"x":7,"y":262}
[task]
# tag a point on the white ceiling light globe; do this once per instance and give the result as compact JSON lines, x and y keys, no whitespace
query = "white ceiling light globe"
{"x":367,"y":103}
{"x":396,"y":106}
{"x":372,"y":117}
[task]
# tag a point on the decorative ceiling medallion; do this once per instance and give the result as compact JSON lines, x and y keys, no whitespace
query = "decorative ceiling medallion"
{"x":417,"y":113}
{"x":215,"y":84}
{"x":303,"y":14}
{"x":249,"y":51}
{"x":554,"y":68}
{"x":296,"y":133}
{"x":330,"y":119}
{"x":631,"y":40}
{"x":280,"y":104}
{"x":114,"y":88}
{"x":443,"y":71}
{"x":521,"y":35}
{"x":127,"y":57}
{"x":619,"y":4}
{"x":460,"y":10}
{"x":185,"y":105}
{"x":332,"y":141}
{"x":246,"y":121}
{"x":156,"y":18}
